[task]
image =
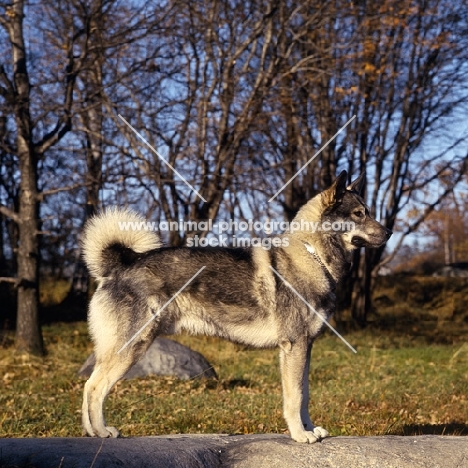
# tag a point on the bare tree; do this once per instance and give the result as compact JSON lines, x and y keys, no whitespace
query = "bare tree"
{"x":399,"y":67}
{"x":217,"y":69}
{"x":39,"y":124}
{"x":16,"y":91}
{"x":237,"y":96}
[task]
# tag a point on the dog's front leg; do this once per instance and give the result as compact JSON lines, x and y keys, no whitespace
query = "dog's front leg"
{"x":293,"y":360}
{"x":305,"y":418}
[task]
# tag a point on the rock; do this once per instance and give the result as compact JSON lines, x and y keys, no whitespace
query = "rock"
{"x":453,"y":270}
{"x":163,"y":357}
{"x":239,"y":451}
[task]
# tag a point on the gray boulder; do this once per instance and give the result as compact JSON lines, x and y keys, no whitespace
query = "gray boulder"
{"x":453,"y":270}
{"x":240,"y":451}
{"x":163,"y":357}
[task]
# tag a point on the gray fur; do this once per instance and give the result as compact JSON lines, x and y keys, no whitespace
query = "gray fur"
{"x":236,"y":296}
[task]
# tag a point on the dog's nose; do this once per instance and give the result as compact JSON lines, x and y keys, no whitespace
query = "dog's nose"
{"x":388,"y":233}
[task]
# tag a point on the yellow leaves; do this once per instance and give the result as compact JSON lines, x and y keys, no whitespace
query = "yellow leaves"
{"x":369,"y":68}
{"x":8,"y":377}
{"x":369,"y":47}
{"x":10,"y":12}
{"x":393,"y":21}
{"x":346,"y":91}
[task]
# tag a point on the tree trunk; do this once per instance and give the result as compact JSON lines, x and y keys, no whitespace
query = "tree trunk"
{"x":361,"y":296}
{"x":92,"y":118}
{"x":356,"y":291}
{"x":93,"y":115}
{"x":28,"y":333}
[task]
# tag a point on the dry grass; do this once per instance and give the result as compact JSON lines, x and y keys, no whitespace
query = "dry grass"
{"x":423,"y":306}
{"x":395,"y":384}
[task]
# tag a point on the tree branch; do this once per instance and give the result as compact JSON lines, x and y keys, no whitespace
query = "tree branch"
{"x":46,"y":193}
{"x":429,"y":209}
{"x":8,"y":279}
{"x":64,"y":124}
{"x":9,"y":90}
{"x":10,"y":214}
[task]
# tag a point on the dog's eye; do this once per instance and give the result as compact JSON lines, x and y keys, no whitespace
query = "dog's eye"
{"x":358,"y":214}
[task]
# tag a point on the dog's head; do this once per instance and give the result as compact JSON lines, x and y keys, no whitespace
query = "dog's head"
{"x":344,"y":204}
{"x":341,"y":211}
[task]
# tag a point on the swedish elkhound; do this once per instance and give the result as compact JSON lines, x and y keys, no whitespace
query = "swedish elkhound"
{"x":240,"y":294}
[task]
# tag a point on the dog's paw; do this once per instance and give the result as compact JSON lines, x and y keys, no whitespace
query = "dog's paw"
{"x":310,"y":437}
{"x":108,"y":432}
{"x":305,"y":437}
{"x":88,"y":432}
{"x":114,"y":433}
{"x":320,"y":432}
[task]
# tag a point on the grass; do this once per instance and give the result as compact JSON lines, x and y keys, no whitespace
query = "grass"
{"x":426,"y":306}
{"x":395,"y":384}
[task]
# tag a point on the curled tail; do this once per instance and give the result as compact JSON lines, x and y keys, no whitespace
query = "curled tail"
{"x":113,"y":237}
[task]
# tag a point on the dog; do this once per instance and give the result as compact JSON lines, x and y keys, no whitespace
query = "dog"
{"x":278,"y":297}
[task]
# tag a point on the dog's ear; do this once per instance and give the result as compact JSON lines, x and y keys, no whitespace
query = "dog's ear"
{"x":358,"y":184}
{"x":334,"y":194}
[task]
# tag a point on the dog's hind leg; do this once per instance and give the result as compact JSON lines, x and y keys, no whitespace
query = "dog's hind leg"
{"x":106,"y":374}
{"x":305,"y":417}
{"x":114,"y":355}
{"x":86,"y":422}
{"x":293,"y":359}
{"x":110,"y":366}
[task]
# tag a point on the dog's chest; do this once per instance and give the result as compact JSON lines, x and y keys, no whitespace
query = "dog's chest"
{"x":320,"y":311}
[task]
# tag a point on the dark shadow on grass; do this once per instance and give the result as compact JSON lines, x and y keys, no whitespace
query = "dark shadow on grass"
{"x":234,"y":383}
{"x":453,"y":429}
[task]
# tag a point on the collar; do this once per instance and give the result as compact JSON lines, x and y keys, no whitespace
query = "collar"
{"x":314,"y":254}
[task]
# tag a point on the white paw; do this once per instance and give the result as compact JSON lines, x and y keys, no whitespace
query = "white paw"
{"x":305,"y":437}
{"x":88,"y":432}
{"x":114,"y":433}
{"x":310,"y":437}
{"x":320,"y":432}
{"x":108,"y":432}
{"x":87,"y":429}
